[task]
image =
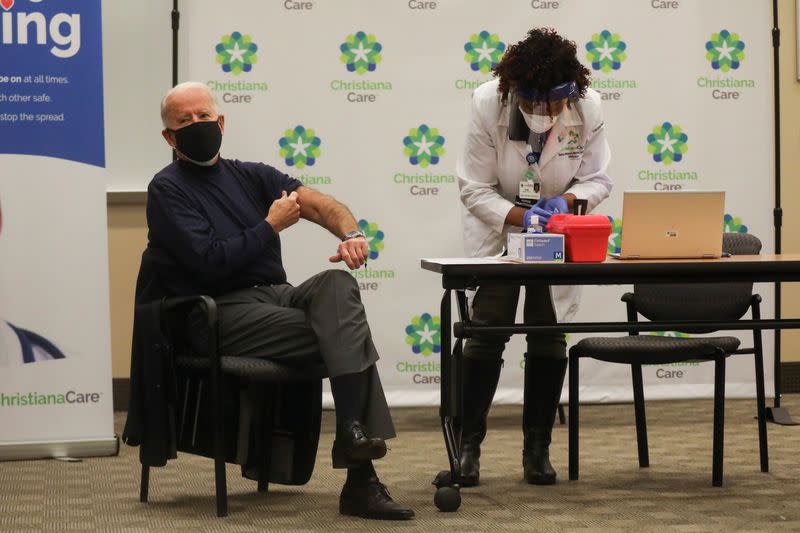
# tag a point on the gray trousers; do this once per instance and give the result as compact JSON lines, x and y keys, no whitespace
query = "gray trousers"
{"x":497,"y":305}
{"x":322,"y":319}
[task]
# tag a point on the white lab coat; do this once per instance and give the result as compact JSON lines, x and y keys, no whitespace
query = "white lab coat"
{"x":491,"y":167}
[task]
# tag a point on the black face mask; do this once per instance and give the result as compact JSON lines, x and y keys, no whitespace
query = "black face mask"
{"x":200,"y":141}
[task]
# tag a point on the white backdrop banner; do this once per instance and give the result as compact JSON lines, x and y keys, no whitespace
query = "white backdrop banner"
{"x":55,"y":363}
{"x":369,"y":100}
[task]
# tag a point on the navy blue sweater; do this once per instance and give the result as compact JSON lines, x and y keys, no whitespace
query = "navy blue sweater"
{"x":207,"y":233}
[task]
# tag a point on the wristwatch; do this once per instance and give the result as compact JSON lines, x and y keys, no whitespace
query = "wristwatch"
{"x":353,"y":235}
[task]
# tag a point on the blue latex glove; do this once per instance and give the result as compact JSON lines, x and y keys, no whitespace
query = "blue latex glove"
{"x":544,"y":208}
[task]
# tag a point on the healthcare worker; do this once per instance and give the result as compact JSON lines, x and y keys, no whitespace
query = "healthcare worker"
{"x":535,"y":144}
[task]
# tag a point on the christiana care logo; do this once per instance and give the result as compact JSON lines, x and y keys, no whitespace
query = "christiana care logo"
{"x":615,"y":239}
{"x":725,"y":51}
{"x":671,"y":370}
{"x":361,"y":52}
{"x":374,"y":238}
{"x":667,"y":143}
{"x":733,"y":224}
{"x":606,"y":51}
{"x":484,"y":50}
{"x":369,"y":279}
{"x":236,"y":53}
{"x":672,"y":334}
{"x":424,"y":334}
{"x":36,"y":399}
{"x":423,"y":146}
{"x":299,"y":147}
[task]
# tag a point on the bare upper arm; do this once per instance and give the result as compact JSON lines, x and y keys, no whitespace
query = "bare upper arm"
{"x":311,"y":203}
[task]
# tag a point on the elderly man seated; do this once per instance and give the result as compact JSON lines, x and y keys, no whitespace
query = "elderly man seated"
{"x":214,"y":228}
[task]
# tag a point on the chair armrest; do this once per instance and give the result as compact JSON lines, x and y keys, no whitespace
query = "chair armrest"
{"x":630,"y":306}
{"x":628,"y":297}
{"x":182,"y":305}
{"x":755,"y":307}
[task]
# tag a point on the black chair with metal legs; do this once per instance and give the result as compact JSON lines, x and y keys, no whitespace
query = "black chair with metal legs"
{"x":204,"y":389}
{"x":679,"y":302}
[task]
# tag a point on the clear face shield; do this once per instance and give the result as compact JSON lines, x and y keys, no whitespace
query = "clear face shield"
{"x":540,"y":110}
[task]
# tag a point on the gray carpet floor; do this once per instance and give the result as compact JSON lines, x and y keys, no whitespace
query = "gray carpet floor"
{"x":613,"y":493}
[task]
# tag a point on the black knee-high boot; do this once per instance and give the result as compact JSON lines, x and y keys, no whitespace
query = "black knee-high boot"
{"x":480,"y":383}
{"x":544,"y":378}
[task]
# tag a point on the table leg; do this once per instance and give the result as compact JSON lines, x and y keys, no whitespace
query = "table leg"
{"x":448,"y":495}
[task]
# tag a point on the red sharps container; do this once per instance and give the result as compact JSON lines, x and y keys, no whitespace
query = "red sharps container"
{"x":585,"y":236}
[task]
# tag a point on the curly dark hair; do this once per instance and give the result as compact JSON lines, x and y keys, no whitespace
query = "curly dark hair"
{"x":539,"y":62}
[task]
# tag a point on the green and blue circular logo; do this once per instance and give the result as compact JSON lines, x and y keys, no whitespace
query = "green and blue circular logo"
{"x":299,"y":147}
{"x":606,"y":51}
{"x":361,"y":52}
{"x":615,"y":239}
{"x":725,"y":51}
{"x":484,"y":51}
{"x":424,"y":334}
{"x":374,"y":237}
{"x":423,"y":146}
{"x":672,"y":334}
{"x":733,"y":224}
{"x":236,"y":53}
{"x":667,"y":143}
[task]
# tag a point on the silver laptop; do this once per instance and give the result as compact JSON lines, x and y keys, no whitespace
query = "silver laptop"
{"x":672,"y":224}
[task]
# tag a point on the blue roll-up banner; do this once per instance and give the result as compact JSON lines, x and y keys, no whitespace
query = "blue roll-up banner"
{"x":51,"y":79}
{"x":55,"y":363}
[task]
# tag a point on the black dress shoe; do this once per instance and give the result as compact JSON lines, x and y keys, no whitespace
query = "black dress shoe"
{"x":369,"y":498}
{"x":354,"y":446}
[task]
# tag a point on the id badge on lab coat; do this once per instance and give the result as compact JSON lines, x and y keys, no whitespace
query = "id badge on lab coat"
{"x":530,"y":187}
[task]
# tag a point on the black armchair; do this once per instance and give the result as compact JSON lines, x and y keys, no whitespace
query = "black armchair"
{"x":260,"y":414}
{"x":714,"y":301}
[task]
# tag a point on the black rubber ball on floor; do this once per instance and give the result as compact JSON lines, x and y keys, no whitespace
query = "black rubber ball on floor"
{"x":447,"y":499}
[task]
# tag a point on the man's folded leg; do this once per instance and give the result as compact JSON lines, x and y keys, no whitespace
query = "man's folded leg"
{"x":325,"y":317}
{"x":332,"y":305}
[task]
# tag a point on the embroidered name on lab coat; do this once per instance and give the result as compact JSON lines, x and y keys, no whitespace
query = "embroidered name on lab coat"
{"x":573,"y":149}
